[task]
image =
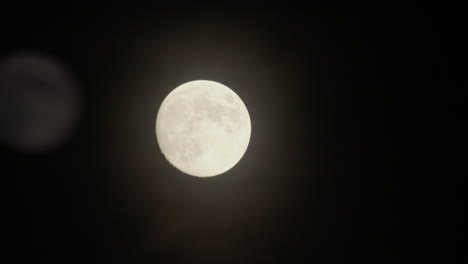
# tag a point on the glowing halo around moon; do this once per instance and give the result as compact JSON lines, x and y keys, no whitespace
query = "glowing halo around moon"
{"x":203,"y":128}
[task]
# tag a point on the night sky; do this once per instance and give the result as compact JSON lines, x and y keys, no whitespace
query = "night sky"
{"x":340,"y":102}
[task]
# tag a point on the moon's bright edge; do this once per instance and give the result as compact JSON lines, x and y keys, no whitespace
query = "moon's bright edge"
{"x":203,"y":128}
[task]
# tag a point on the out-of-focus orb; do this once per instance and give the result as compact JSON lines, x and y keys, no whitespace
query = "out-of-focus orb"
{"x":39,"y":102}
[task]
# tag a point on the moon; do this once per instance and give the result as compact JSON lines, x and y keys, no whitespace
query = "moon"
{"x":203,"y":128}
{"x":38,"y":102}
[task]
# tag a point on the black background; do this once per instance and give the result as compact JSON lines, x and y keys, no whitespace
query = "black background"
{"x":342,"y":103}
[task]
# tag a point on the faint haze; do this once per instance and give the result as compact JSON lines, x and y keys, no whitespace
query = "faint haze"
{"x":341,"y":103}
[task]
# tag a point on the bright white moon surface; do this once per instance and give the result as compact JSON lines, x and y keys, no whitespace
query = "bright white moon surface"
{"x":203,"y":128}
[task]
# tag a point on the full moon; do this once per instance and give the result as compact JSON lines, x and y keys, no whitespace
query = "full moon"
{"x":203,"y":128}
